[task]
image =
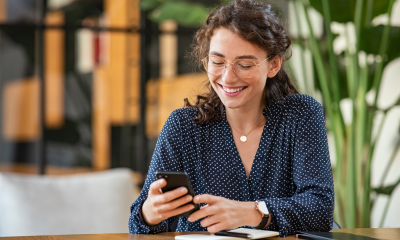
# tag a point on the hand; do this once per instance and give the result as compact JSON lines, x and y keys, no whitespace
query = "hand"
{"x":223,"y":214}
{"x":160,"y":206}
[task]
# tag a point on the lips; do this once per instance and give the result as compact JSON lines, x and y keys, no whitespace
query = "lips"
{"x":231,"y":89}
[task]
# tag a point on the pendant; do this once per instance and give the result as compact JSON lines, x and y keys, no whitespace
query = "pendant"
{"x":243,"y":138}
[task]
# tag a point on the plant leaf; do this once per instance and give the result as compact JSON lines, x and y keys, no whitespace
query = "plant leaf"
{"x":398,"y":102}
{"x":185,"y":14}
{"x":387,"y":190}
{"x":149,"y":4}
{"x":371,"y":40}
{"x":343,"y":10}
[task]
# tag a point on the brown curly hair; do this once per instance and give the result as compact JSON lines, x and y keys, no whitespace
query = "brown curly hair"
{"x":257,"y":23}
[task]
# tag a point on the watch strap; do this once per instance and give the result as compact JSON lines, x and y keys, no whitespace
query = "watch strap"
{"x":266,"y":219}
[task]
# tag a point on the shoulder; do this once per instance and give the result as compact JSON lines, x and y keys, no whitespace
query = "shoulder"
{"x":186,"y":117}
{"x":181,"y":118}
{"x":183,"y":114}
{"x":298,"y":104}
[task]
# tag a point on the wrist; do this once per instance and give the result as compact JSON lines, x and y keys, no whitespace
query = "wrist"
{"x":254,"y":217}
{"x":145,"y":216}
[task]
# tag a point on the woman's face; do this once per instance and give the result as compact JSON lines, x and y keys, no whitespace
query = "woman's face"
{"x":236,"y":92}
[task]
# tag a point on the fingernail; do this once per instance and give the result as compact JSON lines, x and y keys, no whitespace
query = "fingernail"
{"x":189,"y":198}
{"x":183,"y":189}
{"x":189,"y":219}
{"x":197,"y":198}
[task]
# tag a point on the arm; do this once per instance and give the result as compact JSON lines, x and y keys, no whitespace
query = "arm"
{"x":311,"y":206}
{"x":166,"y":157}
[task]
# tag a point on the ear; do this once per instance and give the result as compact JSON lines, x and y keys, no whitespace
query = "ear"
{"x":274,"y":66}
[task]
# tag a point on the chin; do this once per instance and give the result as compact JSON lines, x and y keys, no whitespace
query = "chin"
{"x":231,"y":105}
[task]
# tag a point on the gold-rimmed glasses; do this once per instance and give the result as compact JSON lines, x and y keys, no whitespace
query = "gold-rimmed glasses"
{"x":243,"y":68}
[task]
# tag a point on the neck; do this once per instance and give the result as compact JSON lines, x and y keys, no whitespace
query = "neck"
{"x":244,"y":120}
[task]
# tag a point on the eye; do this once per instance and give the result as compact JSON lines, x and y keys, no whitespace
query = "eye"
{"x":245,"y":66}
{"x":217,"y":63}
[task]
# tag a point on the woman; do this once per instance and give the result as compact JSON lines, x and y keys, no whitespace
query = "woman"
{"x":255,"y":150}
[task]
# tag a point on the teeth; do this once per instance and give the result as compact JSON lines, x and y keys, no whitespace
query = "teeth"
{"x":232,"y":90}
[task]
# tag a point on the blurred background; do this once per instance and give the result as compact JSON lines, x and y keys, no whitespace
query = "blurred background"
{"x":86,"y":86}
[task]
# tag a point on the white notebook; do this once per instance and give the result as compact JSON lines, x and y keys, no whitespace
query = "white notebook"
{"x":255,"y":234}
{"x":202,"y":236}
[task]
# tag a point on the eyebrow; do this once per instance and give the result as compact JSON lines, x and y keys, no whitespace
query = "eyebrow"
{"x":238,"y":57}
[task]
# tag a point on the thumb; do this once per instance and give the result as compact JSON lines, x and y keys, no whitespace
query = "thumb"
{"x":155,"y":187}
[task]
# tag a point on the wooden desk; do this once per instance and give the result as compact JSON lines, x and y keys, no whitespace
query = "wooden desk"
{"x":380,"y":233}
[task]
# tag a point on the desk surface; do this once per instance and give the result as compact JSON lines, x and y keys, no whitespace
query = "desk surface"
{"x":380,"y":233}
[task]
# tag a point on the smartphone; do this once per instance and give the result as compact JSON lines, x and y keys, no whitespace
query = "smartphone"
{"x":174,"y":181}
{"x":315,"y":235}
{"x":330,"y":236}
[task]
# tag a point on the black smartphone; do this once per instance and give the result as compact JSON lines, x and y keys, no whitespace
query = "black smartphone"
{"x":330,"y":236}
{"x":174,"y":181}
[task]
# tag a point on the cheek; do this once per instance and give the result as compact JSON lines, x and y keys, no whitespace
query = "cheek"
{"x":263,"y":73}
{"x":264,"y":82}
{"x":261,"y":81}
{"x":213,"y":80}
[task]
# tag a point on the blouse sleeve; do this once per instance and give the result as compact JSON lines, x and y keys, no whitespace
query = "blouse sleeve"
{"x":166,"y":156}
{"x":311,"y":207}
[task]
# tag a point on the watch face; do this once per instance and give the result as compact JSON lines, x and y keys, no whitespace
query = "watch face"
{"x":263,"y":207}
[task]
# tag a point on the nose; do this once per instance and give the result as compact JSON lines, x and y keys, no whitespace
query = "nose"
{"x":228,"y":75}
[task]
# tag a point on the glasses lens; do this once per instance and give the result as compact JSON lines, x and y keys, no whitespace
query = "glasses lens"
{"x":245,"y":68}
{"x":214,"y":65}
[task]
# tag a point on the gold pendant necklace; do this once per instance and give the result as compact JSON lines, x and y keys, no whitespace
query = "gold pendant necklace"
{"x":243,"y":137}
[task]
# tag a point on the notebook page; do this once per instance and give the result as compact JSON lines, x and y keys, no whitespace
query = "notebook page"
{"x":204,"y":237}
{"x":255,"y":233}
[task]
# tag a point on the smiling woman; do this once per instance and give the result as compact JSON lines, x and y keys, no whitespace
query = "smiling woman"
{"x":255,"y":150}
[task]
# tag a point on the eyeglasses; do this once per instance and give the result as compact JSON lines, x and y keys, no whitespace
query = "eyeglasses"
{"x":243,"y":68}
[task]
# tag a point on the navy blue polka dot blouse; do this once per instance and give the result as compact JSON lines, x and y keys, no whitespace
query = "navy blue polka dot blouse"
{"x":291,"y":171}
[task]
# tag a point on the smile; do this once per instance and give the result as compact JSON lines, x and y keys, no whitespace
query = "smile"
{"x":232,"y":90}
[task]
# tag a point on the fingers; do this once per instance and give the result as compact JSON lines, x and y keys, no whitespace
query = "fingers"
{"x":216,"y":228}
{"x":171,"y":195}
{"x":175,"y":203}
{"x":209,"y":221}
{"x":214,"y":223}
{"x":156,"y":186}
{"x":206,"y":210}
{"x":160,"y":206}
{"x":177,"y":211}
{"x":202,"y":213}
{"x":206,"y":198}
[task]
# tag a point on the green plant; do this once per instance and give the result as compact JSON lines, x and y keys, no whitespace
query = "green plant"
{"x":185,"y":13}
{"x":350,"y":74}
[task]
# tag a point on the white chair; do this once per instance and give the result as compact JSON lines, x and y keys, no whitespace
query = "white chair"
{"x":76,"y":204}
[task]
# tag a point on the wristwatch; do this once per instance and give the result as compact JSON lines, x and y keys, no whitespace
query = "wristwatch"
{"x":266,"y":216}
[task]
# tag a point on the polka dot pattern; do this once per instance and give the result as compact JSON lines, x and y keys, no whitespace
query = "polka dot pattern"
{"x":291,"y":171}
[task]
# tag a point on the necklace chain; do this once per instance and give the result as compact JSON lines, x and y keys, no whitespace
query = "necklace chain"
{"x":243,"y":137}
